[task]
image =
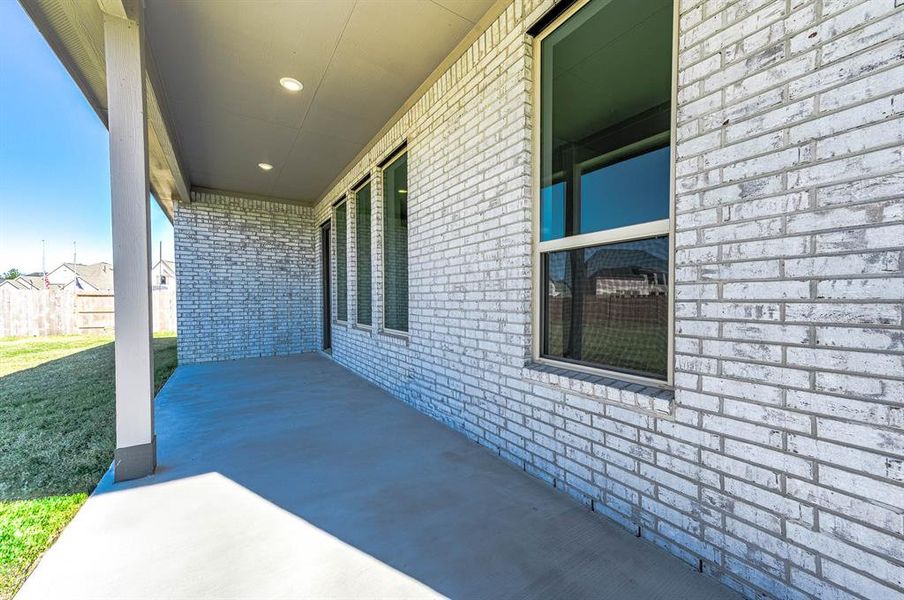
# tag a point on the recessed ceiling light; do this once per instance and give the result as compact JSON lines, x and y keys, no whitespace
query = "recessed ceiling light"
{"x":403,"y":191}
{"x":291,"y":84}
{"x":265,"y":166}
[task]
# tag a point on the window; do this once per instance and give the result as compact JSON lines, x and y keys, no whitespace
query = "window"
{"x":342,"y":261}
{"x":603,"y":252}
{"x":395,"y":244}
{"x":362,"y":248}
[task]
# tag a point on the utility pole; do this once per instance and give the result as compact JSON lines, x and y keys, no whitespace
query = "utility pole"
{"x":74,"y":254}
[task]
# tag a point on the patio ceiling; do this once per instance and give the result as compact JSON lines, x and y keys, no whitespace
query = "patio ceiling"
{"x":215,"y":106}
{"x":220,"y":64}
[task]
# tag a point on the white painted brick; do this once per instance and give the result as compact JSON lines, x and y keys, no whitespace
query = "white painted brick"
{"x":861,"y":338}
{"x":843,"y":360}
{"x":855,"y":581}
{"x":888,"y":493}
{"x":851,"y":264}
{"x":869,"y":512}
{"x":860,"y":239}
{"x":773,"y":459}
{"x":835,"y":547}
{"x":887,"y":545}
{"x":789,"y":292}
{"x":860,"y":386}
{"x":873,"y":438}
{"x":841,"y":313}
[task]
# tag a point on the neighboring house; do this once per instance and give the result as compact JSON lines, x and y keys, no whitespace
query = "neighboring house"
{"x":32,"y":281}
{"x":94,"y":277}
{"x":163,"y":274}
{"x":754,"y":149}
{"x":10,"y":284}
{"x":18,"y":283}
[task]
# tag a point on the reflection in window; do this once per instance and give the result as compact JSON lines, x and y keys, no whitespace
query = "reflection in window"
{"x":395,"y":244}
{"x":605,"y":165}
{"x":552,"y":211}
{"x":608,"y":306}
{"x":626,"y":193}
{"x":341,"y":262}
{"x":362,"y":249}
{"x":605,"y":118}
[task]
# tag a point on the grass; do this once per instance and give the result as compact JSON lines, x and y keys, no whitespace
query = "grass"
{"x":56,"y":437}
{"x":628,"y":346}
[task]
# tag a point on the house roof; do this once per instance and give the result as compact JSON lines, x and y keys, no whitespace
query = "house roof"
{"x":98,"y":275}
{"x":34,"y":281}
{"x":31,"y":281}
{"x":12,"y":283}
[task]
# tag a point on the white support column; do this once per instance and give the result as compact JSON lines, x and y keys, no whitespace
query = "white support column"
{"x":136,"y":454}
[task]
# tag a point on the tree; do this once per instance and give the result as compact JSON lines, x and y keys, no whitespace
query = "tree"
{"x":11,"y":274}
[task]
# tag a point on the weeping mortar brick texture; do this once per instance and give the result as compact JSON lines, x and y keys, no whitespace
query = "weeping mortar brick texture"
{"x":777,"y":461}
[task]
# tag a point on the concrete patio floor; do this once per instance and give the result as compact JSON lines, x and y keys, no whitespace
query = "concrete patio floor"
{"x":292,"y":477}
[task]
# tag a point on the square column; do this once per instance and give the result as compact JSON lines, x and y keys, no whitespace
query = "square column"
{"x":136,"y":454}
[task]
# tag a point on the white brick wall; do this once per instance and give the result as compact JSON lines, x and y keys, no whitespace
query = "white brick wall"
{"x":777,"y":461}
{"x":246,"y":278}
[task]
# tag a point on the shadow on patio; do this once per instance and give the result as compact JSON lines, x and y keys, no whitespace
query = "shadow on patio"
{"x":292,"y":477}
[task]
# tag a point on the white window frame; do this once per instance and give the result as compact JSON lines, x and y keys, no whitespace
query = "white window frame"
{"x":368,"y":180}
{"x":335,"y":233}
{"x":628,"y":233}
{"x":386,"y":163}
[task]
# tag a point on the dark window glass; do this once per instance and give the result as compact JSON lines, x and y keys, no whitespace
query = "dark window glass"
{"x":395,"y":244}
{"x":341,"y":262}
{"x":607,"y":306}
{"x":605,"y":89}
{"x":362,"y":246}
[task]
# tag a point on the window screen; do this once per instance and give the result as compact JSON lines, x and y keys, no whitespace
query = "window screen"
{"x":341,"y":262}
{"x":608,"y":305}
{"x":362,"y":246}
{"x":395,"y":244}
{"x":605,"y":174}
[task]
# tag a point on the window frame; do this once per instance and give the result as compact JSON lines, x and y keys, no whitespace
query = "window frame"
{"x":609,"y":236}
{"x":385,"y":164}
{"x":335,"y":233}
{"x":365,"y":181}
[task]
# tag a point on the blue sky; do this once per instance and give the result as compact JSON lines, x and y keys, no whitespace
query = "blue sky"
{"x":54,"y":158}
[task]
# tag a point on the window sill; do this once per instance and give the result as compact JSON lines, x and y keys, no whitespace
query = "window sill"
{"x":657,"y":400}
{"x":365,"y":328}
{"x":401,"y":336}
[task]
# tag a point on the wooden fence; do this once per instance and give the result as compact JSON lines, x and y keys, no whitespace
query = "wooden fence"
{"x":29,"y":313}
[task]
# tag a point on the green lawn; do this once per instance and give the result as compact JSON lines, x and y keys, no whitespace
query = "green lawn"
{"x":56,"y":437}
{"x":635,"y":347}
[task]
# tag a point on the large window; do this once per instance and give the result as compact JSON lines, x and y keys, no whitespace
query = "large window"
{"x":362,"y":248}
{"x":395,"y":244}
{"x":605,"y":103}
{"x":342,"y":261}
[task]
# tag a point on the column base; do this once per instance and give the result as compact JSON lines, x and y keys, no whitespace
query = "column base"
{"x":135,"y":462}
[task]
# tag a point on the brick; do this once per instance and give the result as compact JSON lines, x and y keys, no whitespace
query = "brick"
{"x":859,"y":435}
{"x":883,"y":415}
{"x":788,"y":288}
{"x":869,"y":512}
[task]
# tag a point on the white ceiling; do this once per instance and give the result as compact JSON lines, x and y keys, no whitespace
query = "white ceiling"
{"x":220,"y":62}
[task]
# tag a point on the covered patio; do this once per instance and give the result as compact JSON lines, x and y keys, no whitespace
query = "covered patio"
{"x":293,"y":477}
{"x":649,"y":252}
